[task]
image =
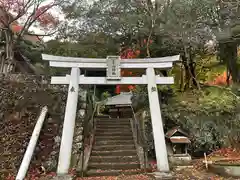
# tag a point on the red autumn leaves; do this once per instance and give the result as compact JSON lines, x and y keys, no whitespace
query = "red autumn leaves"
{"x":36,"y":174}
{"x":130,"y":53}
{"x":44,"y":17}
{"x":28,"y":12}
{"x":230,"y":153}
{"x":127,"y":54}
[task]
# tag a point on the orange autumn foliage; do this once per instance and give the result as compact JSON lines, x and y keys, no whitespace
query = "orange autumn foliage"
{"x":127,"y":54}
{"x":220,"y":80}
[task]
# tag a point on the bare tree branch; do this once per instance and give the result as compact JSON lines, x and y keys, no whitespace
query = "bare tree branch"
{"x":35,"y":34}
{"x":25,"y":8}
{"x":26,"y":25}
{"x":40,"y":14}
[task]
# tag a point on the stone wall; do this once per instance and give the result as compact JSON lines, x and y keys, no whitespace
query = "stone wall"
{"x":21,"y":100}
{"x":23,"y":78}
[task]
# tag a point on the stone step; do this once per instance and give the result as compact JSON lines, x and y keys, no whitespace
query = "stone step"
{"x":113,"y":147}
{"x":117,"y":133}
{"x":118,"y":166}
{"x":114,"y":123}
{"x":106,"y":137}
{"x":99,"y":172}
{"x":114,"y":159}
{"x":115,"y":153}
{"x":113,"y":119}
{"x":113,"y":126}
{"x":113,"y":130}
{"x":113,"y":134}
{"x":114,"y":142}
{"x":102,"y":116}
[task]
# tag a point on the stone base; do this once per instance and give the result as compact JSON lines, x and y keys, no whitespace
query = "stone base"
{"x":180,"y":159}
{"x":163,"y":175}
{"x":228,"y":170}
{"x":64,"y":177}
{"x":180,"y":168}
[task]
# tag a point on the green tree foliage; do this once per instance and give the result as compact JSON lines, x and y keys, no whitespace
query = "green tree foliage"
{"x":100,"y":28}
{"x":91,"y":45}
{"x":211,"y":117}
{"x":223,"y":19}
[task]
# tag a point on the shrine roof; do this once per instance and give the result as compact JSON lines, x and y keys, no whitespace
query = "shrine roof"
{"x":122,"y":99}
{"x":174,"y":130}
{"x":180,"y":140}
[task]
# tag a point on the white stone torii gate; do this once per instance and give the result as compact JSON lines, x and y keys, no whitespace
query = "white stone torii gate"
{"x":113,"y":64}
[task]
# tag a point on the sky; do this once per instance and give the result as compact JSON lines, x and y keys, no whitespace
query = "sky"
{"x":57,"y":13}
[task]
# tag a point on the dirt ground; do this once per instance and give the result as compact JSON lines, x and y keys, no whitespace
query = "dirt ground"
{"x":187,"y":174}
{"x":193,"y":173}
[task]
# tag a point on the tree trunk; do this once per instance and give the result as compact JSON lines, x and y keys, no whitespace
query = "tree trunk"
{"x":232,"y":61}
{"x":9,"y":48}
{"x":2,"y":62}
{"x":190,"y":66}
{"x":228,"y":54}
{"x":2,"y":49}
{"x":181,"y":77}
{"x":187,"y":72}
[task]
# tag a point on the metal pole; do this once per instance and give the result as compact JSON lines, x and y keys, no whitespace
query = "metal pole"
{"x":157,"y":124}
{"x":31,"y":146}
{"x":69,"y":124}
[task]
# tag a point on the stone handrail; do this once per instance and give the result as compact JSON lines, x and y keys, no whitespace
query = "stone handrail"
{"x":139,"y":140}
{"x":88,"y":133}
{"x":31,"y":146}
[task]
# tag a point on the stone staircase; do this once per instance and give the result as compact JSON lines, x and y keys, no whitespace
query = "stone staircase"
{"x":114,"y":151}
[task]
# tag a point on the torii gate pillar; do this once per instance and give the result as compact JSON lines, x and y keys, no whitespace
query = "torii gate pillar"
{"x":157,"y":125}
{"x":69,"y":123}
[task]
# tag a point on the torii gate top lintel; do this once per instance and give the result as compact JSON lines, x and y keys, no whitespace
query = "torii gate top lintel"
{"x":113,"y":65}
{"x":157,"y":63}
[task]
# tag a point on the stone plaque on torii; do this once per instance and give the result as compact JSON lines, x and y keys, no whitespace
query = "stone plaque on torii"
{"x":113,"y":66}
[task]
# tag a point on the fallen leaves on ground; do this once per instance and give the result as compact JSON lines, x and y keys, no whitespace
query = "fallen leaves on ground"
{"x":225,"y":156}
{"x":226,"y":152}
{"x":132,"y":177}
{"x":194,"y":174}
{"x":198,"y":170}
{"x":20,"y":105}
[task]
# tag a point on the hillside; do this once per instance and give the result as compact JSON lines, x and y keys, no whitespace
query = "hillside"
{"x":21,"y":100}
